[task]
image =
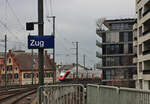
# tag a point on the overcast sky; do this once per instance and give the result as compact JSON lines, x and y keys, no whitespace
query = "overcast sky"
{"x":75,"y":21}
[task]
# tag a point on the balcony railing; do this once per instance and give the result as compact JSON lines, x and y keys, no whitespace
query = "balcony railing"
{"x":98,"y":66}
{"x":99,"y":55}
{"x":146,"y":12}
{"x":146,"y":52}
{"x":146,"y":32}
{"x":98,"y":44}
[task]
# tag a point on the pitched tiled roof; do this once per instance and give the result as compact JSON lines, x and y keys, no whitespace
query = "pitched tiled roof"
{"x":24,"y":60}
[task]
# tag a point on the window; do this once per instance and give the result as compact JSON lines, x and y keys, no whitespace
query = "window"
{"x":16,"y":75}
{"x":124,"y":60}
{"x":149,"y":85}
{"x":104,"y":74}
{"x":140,"y":49}
{"x":9,"y":68}
{"x":140,"y":13}
{"x":3,"y":76}
{"x":104,"y":49}
{"x":9,"y":76}
{"x":121,"y":37}
{"x":130,"y":36}
{"x":37,"y":75}
{"x":140,"y":67}
{"x":108,"y":74}
{"x":104,"y":37}
{"x":9,"y":60}
{"x":140,"y":31}
{"x":125,"y":36}
{"x":130,"y":48}
{"x":28,"y":75}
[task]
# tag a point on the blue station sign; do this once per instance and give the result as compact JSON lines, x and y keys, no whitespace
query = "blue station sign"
{"x":36,"y":42}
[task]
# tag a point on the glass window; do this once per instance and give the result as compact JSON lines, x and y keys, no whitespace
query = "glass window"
{"x":3,"y":76}
{"x":130,"y":36}
{"x":9,"y":76}
{"x":140,"y":13}
{"x":16,"y":75}
{"x":125,"y":36}
{"x":108,"y":74}
{"x":130,"y":48}
{"x":140,"y":49}
{"x":9,"y":60}
{"x":9,"y":68}
{"x":140,"y":31}
{"x":27,"y":75}
{"x":140,"y":67}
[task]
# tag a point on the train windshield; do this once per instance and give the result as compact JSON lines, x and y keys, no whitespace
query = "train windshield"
{"x":62,"y":74}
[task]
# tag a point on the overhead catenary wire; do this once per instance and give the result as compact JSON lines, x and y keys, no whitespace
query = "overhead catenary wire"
{"x":13,"y":12}
{"x":4,"y":24}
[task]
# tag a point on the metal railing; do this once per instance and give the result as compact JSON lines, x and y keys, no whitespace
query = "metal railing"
{"x":97,"y":94}
{"x":61,"y":94}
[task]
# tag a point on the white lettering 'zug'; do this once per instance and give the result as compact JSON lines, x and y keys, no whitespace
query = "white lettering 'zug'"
{"x":37,"y":43}
{"x":32,"y":42}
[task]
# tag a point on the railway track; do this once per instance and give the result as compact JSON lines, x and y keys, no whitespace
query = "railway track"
{"x":13,"y":96}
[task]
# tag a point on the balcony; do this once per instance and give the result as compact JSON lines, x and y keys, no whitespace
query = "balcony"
{"x":146,"y":32}
{"x":98,"y":55}
{"x":98,"y":44}
{"x":146,"y":52}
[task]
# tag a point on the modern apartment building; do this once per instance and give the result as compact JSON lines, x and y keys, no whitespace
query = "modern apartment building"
{"x":117,"y":52}
{"x":142,"y":42}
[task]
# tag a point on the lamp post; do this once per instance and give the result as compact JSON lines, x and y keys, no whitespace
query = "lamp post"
{"x":54,"y":73}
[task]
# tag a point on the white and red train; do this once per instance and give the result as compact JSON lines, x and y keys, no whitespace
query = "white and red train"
{"x":82,"y":75}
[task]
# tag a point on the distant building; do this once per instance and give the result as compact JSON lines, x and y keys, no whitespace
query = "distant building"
{"x":142,"y":43}
{"x":19,"y":68}
{"x":117,"y":52}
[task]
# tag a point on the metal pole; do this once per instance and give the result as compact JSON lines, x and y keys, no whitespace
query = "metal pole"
{"x":32,"y":66}
{"x":40,"y":33}
{"x":77,"y":60}
{"x":84,"y":60}
{"x":5,"y":60}
{"x":54,"y":74}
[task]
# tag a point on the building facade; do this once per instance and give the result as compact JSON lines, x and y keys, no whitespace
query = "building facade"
{"x":117,"y":52}
{"x":19,"y":69}
{"x":142,"y":42}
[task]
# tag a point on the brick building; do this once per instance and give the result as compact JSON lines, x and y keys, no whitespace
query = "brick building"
{"x":19,"y":68}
